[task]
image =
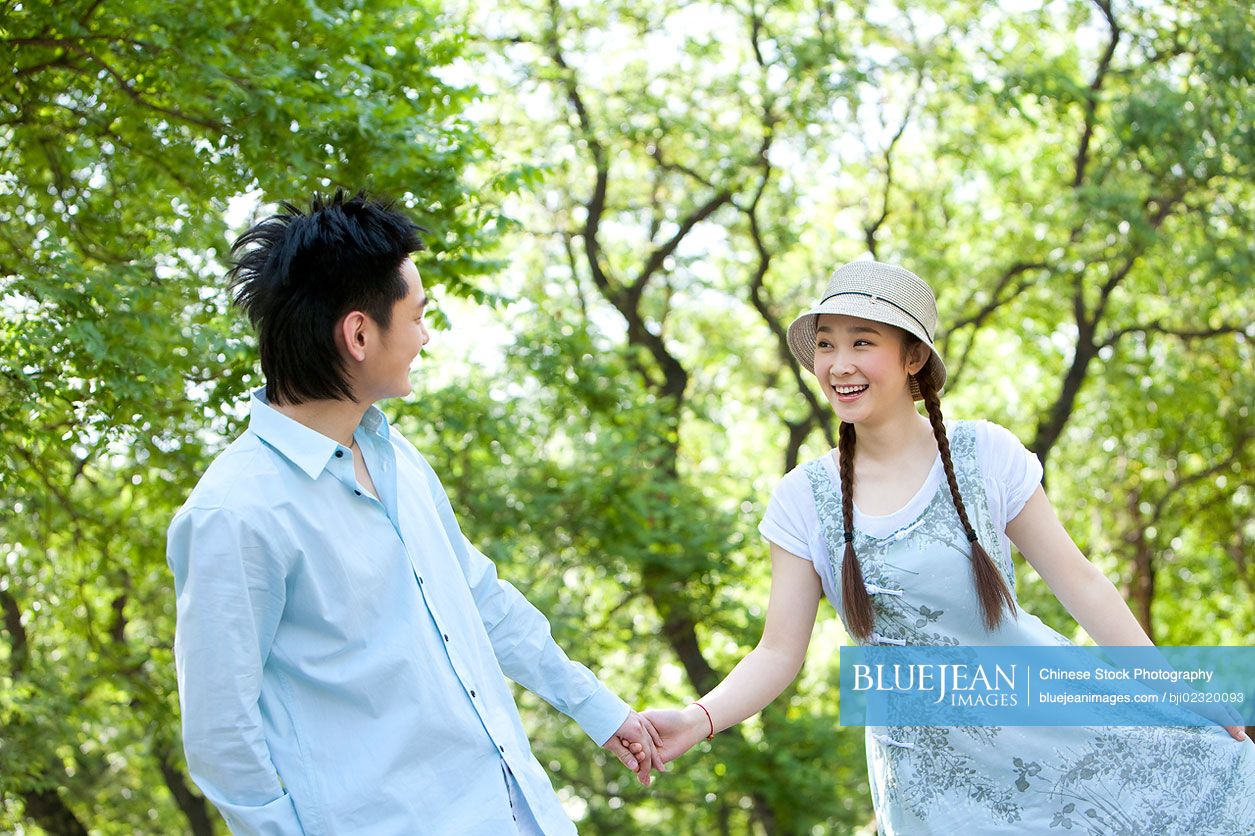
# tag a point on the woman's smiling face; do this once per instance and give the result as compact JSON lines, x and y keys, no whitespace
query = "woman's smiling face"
{"x":862,"y":366}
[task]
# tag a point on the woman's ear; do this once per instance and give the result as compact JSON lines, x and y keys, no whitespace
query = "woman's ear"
{"x":919,"y":355}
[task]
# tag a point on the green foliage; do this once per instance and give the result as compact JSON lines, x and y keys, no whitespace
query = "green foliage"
{"x":128,"y":132}
{"x":1075,"y":180}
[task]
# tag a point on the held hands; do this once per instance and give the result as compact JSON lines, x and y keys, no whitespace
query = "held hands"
{"x":672,"y":732}
{"x":635,"y":744}
{"x":678,"y":729}
{"x":656,"y":737}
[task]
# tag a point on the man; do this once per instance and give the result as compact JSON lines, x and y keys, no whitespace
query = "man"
{"x":340,"y":645}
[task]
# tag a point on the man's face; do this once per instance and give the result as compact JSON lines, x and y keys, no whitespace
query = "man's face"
{"x":386,"y":372}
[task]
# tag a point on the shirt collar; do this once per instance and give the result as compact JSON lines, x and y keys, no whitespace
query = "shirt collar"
{"x":305,"y":447}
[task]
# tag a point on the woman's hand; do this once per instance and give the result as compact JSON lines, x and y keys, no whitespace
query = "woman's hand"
{"x":1236,"y":732}
{"x":678,"y":730}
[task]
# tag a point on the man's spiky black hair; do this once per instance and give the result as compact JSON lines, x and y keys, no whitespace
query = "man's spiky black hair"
{"x":297,"y":273}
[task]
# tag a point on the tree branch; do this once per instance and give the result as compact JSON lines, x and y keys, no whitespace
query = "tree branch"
{"x":659,"y":255}
{"x":817,"y":414}
{"x":1157,"y":327}
{"x":1091,"y":100}
{"x":596,"y":204}
{"x":1184,"y":482}
{"x":870,"y":230}
{"x":45,"y":805}
{"x":19,"y":654}
{"x":89,"y":11}
{"x":977,"y":319}
{"x":126,"y":86}
{"x":996,"y":299}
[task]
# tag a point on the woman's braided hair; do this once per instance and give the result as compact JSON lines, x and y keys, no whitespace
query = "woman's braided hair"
{"x":991,"y":587}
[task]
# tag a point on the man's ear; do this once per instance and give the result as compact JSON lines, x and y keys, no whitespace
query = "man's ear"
{"x":351,"y":335}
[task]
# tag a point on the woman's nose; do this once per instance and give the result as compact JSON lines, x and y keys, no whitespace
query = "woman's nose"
{"x":840,"y":368}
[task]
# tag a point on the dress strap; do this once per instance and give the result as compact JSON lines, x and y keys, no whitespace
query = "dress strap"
{"x":827,"y":504}
{"x":967,"y":473}
{"x":828,"y":509}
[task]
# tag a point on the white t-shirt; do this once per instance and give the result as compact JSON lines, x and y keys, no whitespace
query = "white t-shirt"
{"x":1010,"y":473}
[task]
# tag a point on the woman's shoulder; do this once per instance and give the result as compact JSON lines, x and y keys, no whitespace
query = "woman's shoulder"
{"x":791,"y":518}
{"x":991,"y":437}
{"x":1003,"y":458}
{"x":798,"y":481}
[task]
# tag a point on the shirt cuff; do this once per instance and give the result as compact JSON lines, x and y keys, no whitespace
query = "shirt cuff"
{"x":601,"y":715}
{"x":272,"y":819}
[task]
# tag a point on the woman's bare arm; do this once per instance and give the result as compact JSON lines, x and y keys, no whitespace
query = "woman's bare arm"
{"x":1083,"y":590}
{"x":764,"y":672}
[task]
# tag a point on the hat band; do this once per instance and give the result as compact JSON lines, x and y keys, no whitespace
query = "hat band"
{"x":923,"y":327}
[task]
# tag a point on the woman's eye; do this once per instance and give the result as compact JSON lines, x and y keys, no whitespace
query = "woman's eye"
{"x":822,"y":344}
{"x":862,"y":342}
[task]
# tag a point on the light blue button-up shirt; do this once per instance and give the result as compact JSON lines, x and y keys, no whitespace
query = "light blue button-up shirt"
{"x":341,"y":657}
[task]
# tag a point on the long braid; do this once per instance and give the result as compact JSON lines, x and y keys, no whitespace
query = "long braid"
{"x":855,"y":599}
{"x":991,"y":587}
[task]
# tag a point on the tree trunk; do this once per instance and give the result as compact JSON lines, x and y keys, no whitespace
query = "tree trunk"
{"x":1142,"y":585}
{"x":193,"y":805}
{"x":50,"y":812}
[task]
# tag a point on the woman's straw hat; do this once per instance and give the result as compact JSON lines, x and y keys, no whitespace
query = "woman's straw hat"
{"x":879,"y":292}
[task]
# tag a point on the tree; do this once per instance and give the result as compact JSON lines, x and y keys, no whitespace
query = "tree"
{"x":128,"y":131}
{"x":1074,"y":181}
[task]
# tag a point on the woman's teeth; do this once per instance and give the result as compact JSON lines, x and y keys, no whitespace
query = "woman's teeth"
{"x":849,"y":393}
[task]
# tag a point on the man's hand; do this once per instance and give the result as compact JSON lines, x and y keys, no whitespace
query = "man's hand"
{"x":635,"y":745}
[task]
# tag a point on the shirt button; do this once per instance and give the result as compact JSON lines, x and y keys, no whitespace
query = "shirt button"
{"x":472,"y":695}
{"x":359,"y":493}
{"x":420,"y":581}
{"x":446,"y":636}
{"x":501,"y":749}
{"x":339,"y":454}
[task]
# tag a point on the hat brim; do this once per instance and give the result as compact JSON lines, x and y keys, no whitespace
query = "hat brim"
{"x":802,"y":332}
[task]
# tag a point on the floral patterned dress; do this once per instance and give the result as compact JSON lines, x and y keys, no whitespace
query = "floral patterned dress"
{"x":986,"y":780}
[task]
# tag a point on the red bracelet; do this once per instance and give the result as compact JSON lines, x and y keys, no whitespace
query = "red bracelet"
{"x":710,"y":736}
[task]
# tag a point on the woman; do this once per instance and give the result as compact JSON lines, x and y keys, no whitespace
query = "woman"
{"x":907,"y":528}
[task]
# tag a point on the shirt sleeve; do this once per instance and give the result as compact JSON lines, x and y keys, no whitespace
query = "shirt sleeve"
{"x":230,"y":592}
{"x":784,"y":522}
{"x":1016,"y":469}
{"x":523,"y":642}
